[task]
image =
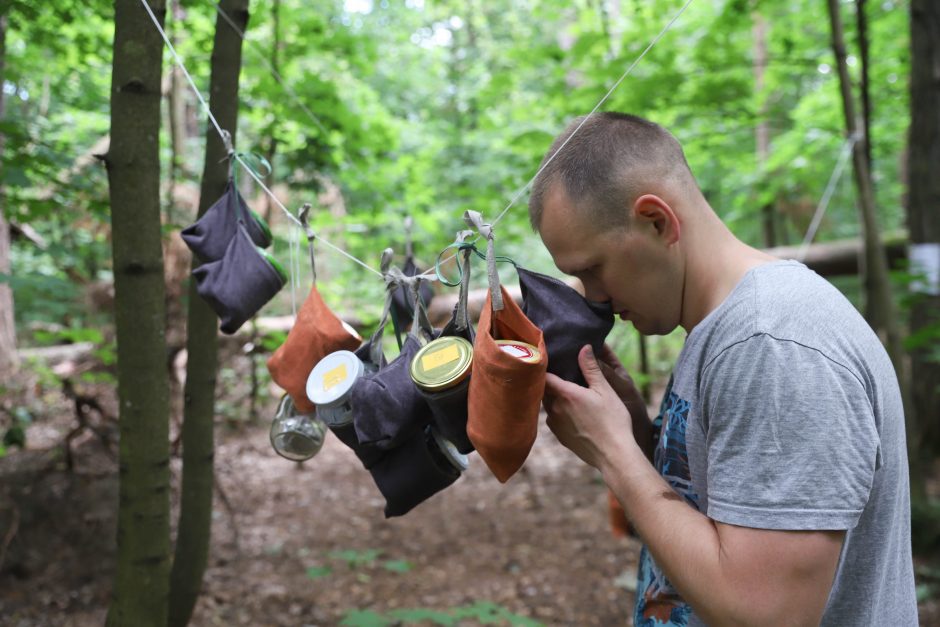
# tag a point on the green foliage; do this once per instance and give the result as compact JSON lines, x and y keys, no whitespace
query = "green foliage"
{"x":481,"y":612}
{"x":356,"y":559}
{"x":316,"y":572}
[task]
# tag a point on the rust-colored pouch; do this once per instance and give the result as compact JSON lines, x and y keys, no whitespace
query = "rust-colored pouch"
{"x":505,"y":389}
{"x":316,"y":333}
{"x":619,"y":526}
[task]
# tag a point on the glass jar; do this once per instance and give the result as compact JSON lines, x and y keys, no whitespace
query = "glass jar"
{"x":296,"y":436}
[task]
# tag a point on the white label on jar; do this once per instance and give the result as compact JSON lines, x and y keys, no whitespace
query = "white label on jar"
{"x":515,"y":350}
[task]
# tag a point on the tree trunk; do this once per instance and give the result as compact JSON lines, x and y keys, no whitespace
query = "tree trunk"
{"x":8,"y":357}
{"x":176,"y":110}
{"x":192,"y":544}
{"x":272,"y":128}
{"x":880,"y":309}
{"x":861,"y":20}
{"x":133,"y":163}
{"x":923,"y":217}
{"x":762,"y":131}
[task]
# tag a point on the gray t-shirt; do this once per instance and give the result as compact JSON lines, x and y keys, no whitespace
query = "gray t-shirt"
{"x":784,"y":413}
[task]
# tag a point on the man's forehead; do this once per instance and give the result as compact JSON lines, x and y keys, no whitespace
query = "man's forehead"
{"x":570,"y":241}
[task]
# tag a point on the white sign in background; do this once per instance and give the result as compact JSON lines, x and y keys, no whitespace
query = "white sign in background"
{"x":925,"y":260}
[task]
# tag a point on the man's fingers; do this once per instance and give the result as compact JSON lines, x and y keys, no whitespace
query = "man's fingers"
{"x":591,"y":368}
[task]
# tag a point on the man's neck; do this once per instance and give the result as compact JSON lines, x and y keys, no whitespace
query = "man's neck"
{"x":716,"y":263}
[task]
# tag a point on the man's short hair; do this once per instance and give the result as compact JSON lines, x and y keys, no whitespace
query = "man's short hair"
{"x":611,"y":160}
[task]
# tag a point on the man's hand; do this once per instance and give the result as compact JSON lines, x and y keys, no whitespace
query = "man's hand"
{"x":626,"y":389}
{"x":593,"y":422}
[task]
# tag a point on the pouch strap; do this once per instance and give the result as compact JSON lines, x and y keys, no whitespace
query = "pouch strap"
{"x":475,"y":220}
{"x":303,"y":215}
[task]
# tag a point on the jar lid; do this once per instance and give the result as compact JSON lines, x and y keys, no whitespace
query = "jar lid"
{"x":349,"y":329}
{"x":520,"y":350}
{"x":455,"y":457}
{"x":442,"y":363}
{"x":333,"y":377}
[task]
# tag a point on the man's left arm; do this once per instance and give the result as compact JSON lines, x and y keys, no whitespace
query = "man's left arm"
{"x":730,"y":575}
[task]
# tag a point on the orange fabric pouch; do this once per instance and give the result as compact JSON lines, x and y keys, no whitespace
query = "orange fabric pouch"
{"x":505,"y":392}
{"x":619,"y":526}
{"x":317,"y":332}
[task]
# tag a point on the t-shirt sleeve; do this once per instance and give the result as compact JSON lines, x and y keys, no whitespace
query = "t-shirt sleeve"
{"x":790,"y":437}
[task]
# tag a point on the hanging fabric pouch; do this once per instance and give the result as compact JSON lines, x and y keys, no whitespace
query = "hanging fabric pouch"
{"x":568,"y":321}
{"x":239,"y":284}
{"x":328,"y":388}
{"x":316,"y":333}
{"x":413,"y":472}
{"x":509,"y":365}
{"x":402,"y":300}
{"x":388,"y":407}
{"x":209,"y":236}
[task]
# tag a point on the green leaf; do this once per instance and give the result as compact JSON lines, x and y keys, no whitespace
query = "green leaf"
{"x":316,"y":572}
{"x":397,"y":566}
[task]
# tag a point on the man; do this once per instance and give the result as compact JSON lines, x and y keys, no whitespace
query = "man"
{"x":779,"y":491}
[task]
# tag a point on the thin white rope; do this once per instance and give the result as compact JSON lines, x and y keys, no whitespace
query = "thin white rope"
{"x":593,"y":111}
{"x":223,"y":135}
{"x":179,"y":62}
{"x":320,"y":240}
{"x":827,"y":195}
{"x":294,"y":271}
{"x":277,"y":77}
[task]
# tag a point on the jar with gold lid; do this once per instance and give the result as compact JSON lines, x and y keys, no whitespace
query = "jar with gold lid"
{"x":441,"y":371}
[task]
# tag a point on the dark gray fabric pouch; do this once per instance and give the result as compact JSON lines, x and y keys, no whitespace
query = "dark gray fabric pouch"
{"x":410,"y":474}
{"x":403,"y":302}
{"x":449,"y":407}
{"x":387,"y":406}
{"x":209,"y":236}
{"x":568,"y":321}
{"x":240,"y":283}
{"x":367,"y":454}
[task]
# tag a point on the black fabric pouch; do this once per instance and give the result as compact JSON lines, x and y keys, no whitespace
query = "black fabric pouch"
{"x":240,"y":283}
{"x":568,"y":321}
{"x":403,"y":303}
{"x":209,"y":236}
{"x":410,"y":474}
{"x":449,"y":407}
{"x":387,"y":406}
{"x":367,"y":454}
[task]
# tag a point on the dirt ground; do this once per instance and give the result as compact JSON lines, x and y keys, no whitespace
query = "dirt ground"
{"x":304,"y":545}
{"x":308,"y":544}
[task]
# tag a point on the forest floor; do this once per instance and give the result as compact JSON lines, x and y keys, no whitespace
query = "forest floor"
{"x":302,"y":545}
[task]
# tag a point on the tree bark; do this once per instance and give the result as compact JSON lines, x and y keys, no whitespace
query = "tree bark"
{"x":176,"y":110}
{"x":8,"y":356}
{"x":192,"y":544}
{"x":133,"y":163}
{"x":880,"y":310}
{"x":923,"y":217}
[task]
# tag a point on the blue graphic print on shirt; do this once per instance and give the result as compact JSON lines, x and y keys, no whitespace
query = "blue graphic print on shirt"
{"x":657,"y":602}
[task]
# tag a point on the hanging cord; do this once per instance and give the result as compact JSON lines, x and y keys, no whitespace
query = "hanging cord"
{"x":228,"y":142}
{"x":593,"y":111}
{"x":847,"y":147}
{"x":475,"y":220}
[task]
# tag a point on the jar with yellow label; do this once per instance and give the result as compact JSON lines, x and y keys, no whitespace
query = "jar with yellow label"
{"x":441,"y":371}
{"x":329,"y":387}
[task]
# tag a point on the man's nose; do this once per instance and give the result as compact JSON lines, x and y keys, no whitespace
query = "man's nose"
{"x":594,"y":293}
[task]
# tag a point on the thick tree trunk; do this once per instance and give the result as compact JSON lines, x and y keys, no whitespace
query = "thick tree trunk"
{"x":192,"y":544}
{"x":143,"y":533}
{"x":176,"y":110}
{"x":924,"y":217}
{"x":880,"y":310}
{"x":8,"y":358}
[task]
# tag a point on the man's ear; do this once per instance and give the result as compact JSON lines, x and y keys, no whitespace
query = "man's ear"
{"x":655,"y":211}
